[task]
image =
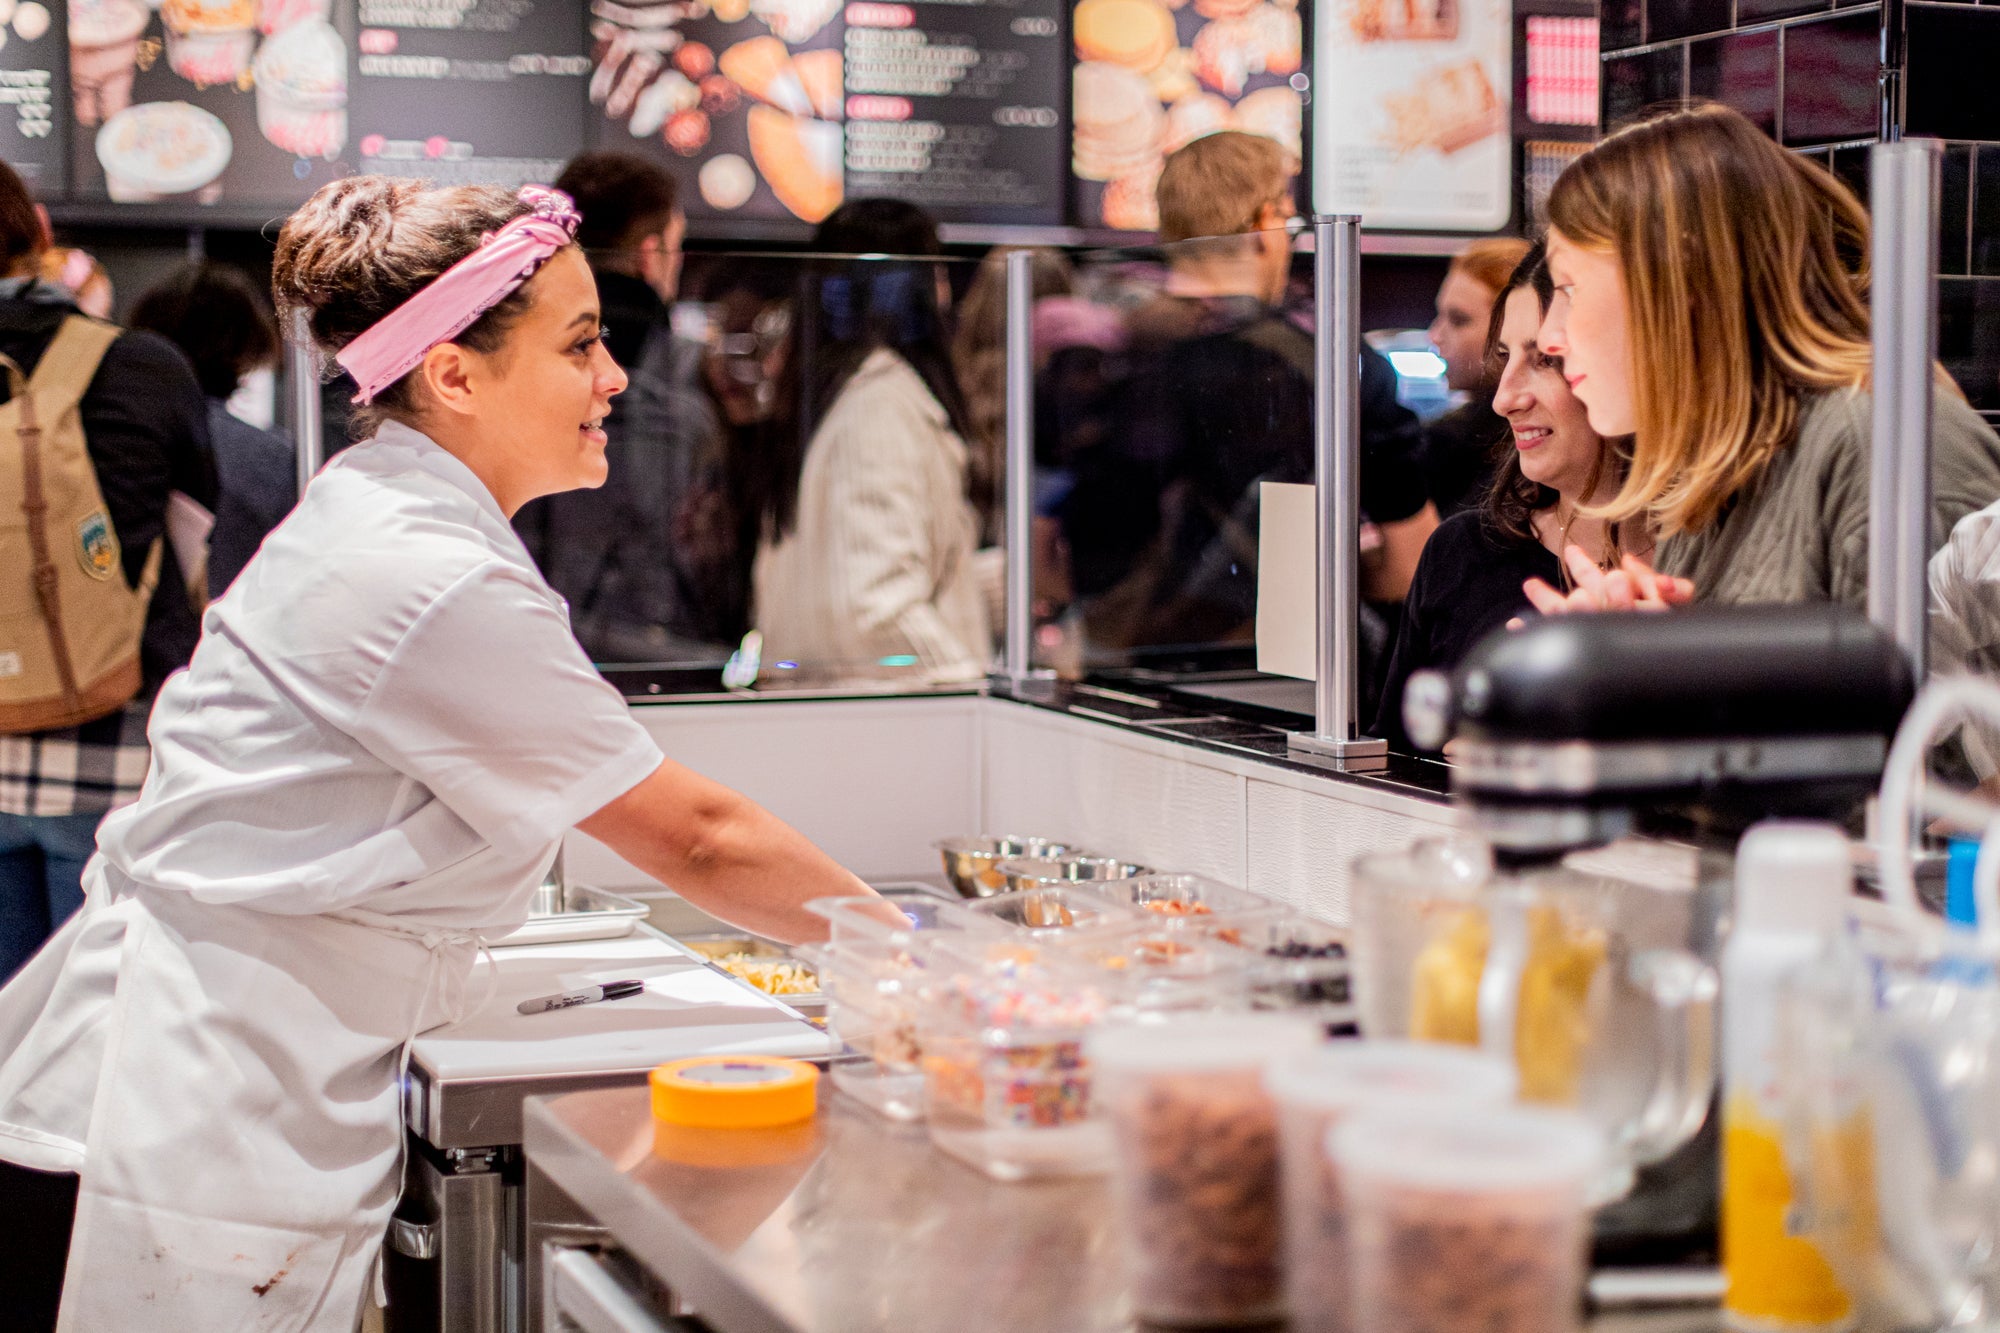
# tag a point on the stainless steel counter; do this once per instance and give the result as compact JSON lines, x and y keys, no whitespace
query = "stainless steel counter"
{"x":845,"y":1224}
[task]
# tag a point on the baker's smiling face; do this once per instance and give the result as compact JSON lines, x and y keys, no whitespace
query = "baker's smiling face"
{"x":543,"y":394}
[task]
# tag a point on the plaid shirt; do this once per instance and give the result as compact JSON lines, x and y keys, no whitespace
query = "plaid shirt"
{"x":84,"y":770}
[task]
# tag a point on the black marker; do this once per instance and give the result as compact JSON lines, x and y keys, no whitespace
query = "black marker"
{"x":610,"y":990}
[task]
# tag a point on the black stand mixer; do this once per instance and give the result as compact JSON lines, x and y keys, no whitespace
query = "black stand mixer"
{"x":1690,"y":726}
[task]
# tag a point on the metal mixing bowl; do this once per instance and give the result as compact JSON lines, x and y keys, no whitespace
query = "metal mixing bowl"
{"x":972,"y":863}
{"x":1040,"y":872}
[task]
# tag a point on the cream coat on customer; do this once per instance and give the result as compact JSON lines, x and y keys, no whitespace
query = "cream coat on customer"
{"x":879,"y":562}
{"x":363,"y":773}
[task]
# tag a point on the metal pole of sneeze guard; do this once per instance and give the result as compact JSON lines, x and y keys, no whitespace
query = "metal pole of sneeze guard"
{"x":303,"y":367}
{"x":1904,"y":184}
{"x":1020,"y":464}
{"x":1337,"y":475}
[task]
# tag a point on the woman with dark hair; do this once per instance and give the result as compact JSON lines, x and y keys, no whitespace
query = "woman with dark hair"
{"x":865,"y":559}
{"x":1469,"y":580}
{"x":371,"y":762}
{"x":215,"y":314}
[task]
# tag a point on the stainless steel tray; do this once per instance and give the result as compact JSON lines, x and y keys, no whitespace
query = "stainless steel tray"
{"x":590,"y":914}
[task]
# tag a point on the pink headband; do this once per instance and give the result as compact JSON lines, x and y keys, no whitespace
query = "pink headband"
{"x":461,"y":294}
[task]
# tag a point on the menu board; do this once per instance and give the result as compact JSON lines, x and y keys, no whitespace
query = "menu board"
{"x":1154,"y":75}
{"x":777,"y":110}
{"x":34,"y":138}
{"x":957,"y":107}
{"x":206,"y":101}
{"x":469,"y":90}
{"x":1412,"y":121}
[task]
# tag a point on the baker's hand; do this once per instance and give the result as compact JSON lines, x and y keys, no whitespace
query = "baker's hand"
{"x":1633,"y":586}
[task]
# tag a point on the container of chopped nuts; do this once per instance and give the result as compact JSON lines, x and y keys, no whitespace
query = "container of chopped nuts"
{"x":1317,"y":1093}
{"x":1467,"y":1217}
{"x":1006,"y":1087}
{"x":1196,"y":1162}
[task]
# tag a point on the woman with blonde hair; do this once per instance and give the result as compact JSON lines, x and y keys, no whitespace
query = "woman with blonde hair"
{"x":1711,"y":301}
{"x":1462,"y":450}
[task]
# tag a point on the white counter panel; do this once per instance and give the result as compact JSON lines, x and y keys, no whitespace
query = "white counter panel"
{"x":1112,"y":791}
{"x":1301,"y":843}
{"x":873,"y":781}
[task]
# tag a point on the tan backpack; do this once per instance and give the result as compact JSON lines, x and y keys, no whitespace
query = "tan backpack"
{"x":69,"y":625}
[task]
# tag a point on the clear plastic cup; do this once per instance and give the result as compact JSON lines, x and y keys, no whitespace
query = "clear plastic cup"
{"x":1315,"y":1094}
{"x":1196,"y":1162}
{"x":1471,"y":1217}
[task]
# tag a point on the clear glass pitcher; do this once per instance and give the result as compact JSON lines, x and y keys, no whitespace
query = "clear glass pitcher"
{"x":1535,"y":968}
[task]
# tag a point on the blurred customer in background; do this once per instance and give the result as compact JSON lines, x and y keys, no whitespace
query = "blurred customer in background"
{"x":145,"y":429}
{"x":979,"y":355}
{"x":865,"y":562}
{"x":1163,"y":520}
{"x":215,"y":314}
{"x":633,"y":556}
{"x":1710,"y":301}
{"x":1462,"y":448}
{"x":78,"y":273}
{"x":1469,"y":582}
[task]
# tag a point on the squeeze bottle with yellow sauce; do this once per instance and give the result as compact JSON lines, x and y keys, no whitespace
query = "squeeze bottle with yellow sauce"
{"x":1792,"y":886}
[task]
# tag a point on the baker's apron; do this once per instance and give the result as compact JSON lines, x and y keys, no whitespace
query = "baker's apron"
{"x":245,"y":1141}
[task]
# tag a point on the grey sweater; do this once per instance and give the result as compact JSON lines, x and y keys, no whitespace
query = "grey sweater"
{"x":1799,"y":533}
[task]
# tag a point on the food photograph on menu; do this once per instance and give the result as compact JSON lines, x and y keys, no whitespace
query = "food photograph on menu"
{"x":1412,"y":118}
{"x":747,"y":96}
{"x":1153,"y":75}
{"x":206,"y":102}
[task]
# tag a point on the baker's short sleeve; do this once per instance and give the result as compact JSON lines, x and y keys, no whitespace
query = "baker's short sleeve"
{"x":489,"y":702}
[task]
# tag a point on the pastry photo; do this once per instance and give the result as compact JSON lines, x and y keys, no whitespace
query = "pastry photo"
{"x":160,"y":150}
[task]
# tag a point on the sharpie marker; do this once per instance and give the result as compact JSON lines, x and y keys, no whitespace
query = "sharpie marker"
{"x":610,"y":990}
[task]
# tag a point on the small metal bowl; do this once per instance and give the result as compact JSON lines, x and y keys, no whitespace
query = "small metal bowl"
{"x":972,"y":863}
{"x":1041,"y":872}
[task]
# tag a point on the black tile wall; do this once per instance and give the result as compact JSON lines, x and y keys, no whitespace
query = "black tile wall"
{"x":1986,"y":210}
{"x":1832,"y":68}
{"x":1955,"y":210}
{"x":1668,"y":19}
{"x":1763,"y":11}
{"x":1740,"y":70}
{"x":1852,"y":165}
{"x":1951,"y":52}
{"x":1633,"y":84}
{"x":1620,"y":23}
{"x":1969,"y":337}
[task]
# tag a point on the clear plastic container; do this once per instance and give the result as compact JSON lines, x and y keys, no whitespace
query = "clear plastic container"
{"x":1314,"y":1095}
{"x":1197,"y":1162}
{"x":1473,"y":1217}
{"x":1007,"y":1089}
{"x":858,"y":917}
{"x":1298,"y":964}
{"x":1194,"y":899}
{"x":1048,"y":910}
{"x":874,"y":991}
{"x":1152,"y":968}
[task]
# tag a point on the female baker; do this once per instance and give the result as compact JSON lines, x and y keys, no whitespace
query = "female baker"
{"x":1710,"y":301}
{"x":363,"y":775}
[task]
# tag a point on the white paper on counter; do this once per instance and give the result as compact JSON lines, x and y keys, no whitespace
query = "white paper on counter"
{"x":1287,"y":592}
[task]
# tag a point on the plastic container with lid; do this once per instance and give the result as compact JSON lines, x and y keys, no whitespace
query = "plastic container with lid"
{"x":1296,"y":964}
{"x":1051,"y":909}
{"x":1191,"y":898}
{"x":1006,"y":1086}
{"x":1467,"y":1217}
{"x":1315,"y":1094}
{"x":861,"y":917}
{"x":873,"y":989}
{"x":1151,"y":969}
{"x":1196,"y":1175}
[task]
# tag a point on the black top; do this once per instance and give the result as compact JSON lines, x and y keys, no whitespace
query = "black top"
{"x":145,"y":427}
{"x":1162,"y":517}
{"x":1467,"y":584}
{"x":260,"y":478}
{"x":1461,"y":452}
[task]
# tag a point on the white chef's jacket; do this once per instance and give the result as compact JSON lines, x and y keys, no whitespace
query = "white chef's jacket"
{"x":365,"y":770}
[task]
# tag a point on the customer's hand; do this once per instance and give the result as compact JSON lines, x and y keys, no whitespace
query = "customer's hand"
{"x":1633,"y":586}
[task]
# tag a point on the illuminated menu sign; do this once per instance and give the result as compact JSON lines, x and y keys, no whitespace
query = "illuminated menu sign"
{"x":34,"y":126}
{"x":957,"y":107}
{"x":199,"y":102}
{"x":469,"y":90}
